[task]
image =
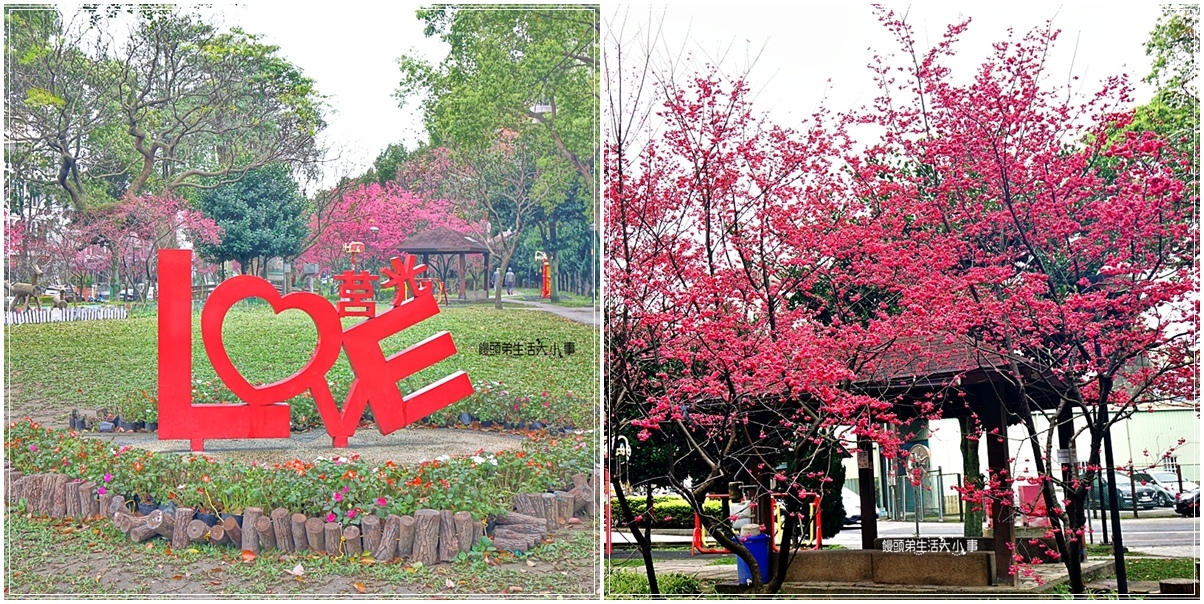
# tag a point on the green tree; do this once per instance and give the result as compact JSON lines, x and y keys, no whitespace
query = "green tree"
{"x":261,"y":215}
{"x":1174,"y":112}
{"x":516,"y":70}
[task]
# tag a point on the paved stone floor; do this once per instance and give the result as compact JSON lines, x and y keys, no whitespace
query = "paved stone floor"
{"x":408,"y":445}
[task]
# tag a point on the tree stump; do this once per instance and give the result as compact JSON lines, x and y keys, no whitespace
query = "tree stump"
{"x":47,"y":504}
{"x":116,"y":504}
{"x":163,"y":524}
{"x":1179,"y":586}
{"x":405,"y":537}
{"x":528,"y":540}
{"x":386,"y":546}
{"x":371,"y":532}
{"x":333,"y":533}
{"x":426,"y":537}
{"x":449,"y":543}
{"x":89,"y":506}
{"x":548,"y":505}
{"x":314,"y":535}
{"x":58,"y":504}
{"x":517,"y":518}
{"x":525,"y":505}
{"x":197,"y":531}
{"x":538,"y":530}
{"x":217,"y":534}
{"x":15,"y":490}
{"x":564,"y":508}
{"x":71,"y":500}
{"x":297,"y":525}
{"x":265,"y":531}
{"x":465,"y":530}
{"x":233,"y":531}
{"x":104,"y":502}
{"x":141,"y":533}
{"x":179,"y":534}
{"x":351,"y":539}
{"x":250,"y":537}
{"x":510,"y":545}
{"x":282,"y":524}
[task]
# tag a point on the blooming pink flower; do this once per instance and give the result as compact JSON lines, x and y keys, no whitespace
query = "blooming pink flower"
{"x":101,"y":490}
{"x":351,"y":513}
{"x":33,"y":448}
{"x":338,"y":496}
{"x":381,"y":501}
{"x":330,"y":517}
{"x":345,"y":489}
{"x":108,"y":477}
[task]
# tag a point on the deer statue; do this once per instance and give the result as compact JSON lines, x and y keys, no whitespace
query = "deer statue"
{"x":23,"y":293}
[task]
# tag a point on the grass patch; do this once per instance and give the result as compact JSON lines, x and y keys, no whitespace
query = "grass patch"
{"x":625,"y":584}
{"x":45,"y":556}
{"x":567,"y":300}
{"x":56,"y":367}
{"x":1157,"y":569}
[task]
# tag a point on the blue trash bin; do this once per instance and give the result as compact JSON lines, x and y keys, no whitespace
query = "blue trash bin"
{"x":758,"y":545}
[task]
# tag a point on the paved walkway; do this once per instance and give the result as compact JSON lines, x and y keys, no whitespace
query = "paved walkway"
{"x":406,"y":446}
{"x":587,"y":315}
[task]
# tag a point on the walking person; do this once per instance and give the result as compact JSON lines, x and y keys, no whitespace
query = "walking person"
{"x":509,"y":282}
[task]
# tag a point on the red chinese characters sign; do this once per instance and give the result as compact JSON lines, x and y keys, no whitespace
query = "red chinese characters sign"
{"x":262,"y":414}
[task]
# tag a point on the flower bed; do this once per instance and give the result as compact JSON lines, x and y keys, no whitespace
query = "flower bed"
{"x":342,"y":490}
{"x":491,"y":403}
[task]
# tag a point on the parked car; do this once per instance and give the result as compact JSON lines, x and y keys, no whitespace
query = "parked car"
{"x":852,"y":507}
{"x":1188,"y":504}
{"x":1146,"y":496}
{"x":1166,"y":483}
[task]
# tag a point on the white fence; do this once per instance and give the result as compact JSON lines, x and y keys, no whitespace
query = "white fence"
{"x":48,"y":315}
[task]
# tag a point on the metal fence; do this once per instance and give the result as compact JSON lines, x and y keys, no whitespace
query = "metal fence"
{"x":50,"y":315}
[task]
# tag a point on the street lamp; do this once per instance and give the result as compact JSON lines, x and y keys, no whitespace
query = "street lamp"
{"x":375,"y":262}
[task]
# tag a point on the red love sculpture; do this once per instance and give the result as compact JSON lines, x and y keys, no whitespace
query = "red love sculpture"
{"x":263,"y":415}
{"x":310,"y":377}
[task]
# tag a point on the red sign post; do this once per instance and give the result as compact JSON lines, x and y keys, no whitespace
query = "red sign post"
{"x":263,"y":414}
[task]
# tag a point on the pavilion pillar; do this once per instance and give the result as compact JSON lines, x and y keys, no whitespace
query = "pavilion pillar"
{"x":1002,"y":504}
{"x":488,"y":276}
{"x":463,"y":286}
{"x":865,"y":483}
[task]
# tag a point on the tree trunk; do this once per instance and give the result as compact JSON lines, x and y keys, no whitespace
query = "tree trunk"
{"x":233,"y":532}
{"x":197,"y":531}
{"x":161,"y":523}
{"x":315,"y":536}
{"x":426,"y":537}
{"x":250,"y":537}
{"x":564,"y":508}
{"x":116,"y":504}
{"x":386,"y":547}
{"x":281,"y":524}
{"x":179,"y":536}
{"x":297,"y":525}
{"x":71,"y":500}
{"x":141,"y":533}
{"x":371,"y":527}
{"x":465,"y":531}
{"x":333,"y":534}
{"x":449,"y":544}
{"x":405,"y":538}
{"x":351,"y":537}
{"x":217,"y":535}
{"x":266,"y":533}
{"x":58,"y":502}
{"x":972,"y":526}
{"x":89,"y":507}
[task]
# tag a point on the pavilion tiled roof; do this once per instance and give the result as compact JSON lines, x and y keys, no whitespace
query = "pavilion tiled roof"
{"x":441,"y":240}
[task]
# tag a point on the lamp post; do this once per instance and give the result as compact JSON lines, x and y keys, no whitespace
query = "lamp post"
{"x":375,"y":262}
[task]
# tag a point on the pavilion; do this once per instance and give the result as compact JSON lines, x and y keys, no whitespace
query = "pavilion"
{"x":442,"y":241}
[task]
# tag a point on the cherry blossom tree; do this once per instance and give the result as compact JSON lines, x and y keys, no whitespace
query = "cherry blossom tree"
{"x":1071,"y":253}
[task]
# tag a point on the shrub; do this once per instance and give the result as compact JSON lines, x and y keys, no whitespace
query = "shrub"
{"x":627,"y":583}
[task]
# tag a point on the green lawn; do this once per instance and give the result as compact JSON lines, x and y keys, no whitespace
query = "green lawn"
{"x":55,"y":367}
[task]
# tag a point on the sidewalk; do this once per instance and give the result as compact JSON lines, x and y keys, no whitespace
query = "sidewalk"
{"x":587,"y":315}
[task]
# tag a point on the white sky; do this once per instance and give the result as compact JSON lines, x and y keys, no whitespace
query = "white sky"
{"x":811,"y":51}
{"x":806,"y":52}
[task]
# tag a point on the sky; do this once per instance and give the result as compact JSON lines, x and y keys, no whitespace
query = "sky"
{"x":801,"y":56}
